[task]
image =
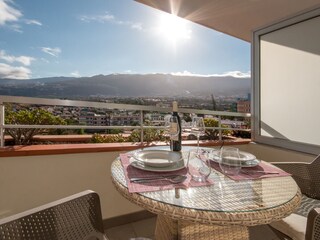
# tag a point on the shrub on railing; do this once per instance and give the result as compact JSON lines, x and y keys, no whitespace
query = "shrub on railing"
{"x":23,"y":136}
{"x":149,"y":135}
{"x":98,"y":138}
{"x":213,"y":134}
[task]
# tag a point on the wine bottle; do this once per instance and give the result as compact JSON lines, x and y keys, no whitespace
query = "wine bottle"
{"x":176,"y":140}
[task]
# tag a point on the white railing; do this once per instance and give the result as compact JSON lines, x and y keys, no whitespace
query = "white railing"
{"x":72,"y":103}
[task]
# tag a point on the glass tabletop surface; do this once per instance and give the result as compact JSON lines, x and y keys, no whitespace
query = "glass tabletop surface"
{"x":225,"y":195}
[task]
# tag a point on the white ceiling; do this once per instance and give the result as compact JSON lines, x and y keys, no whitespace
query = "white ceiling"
{"x":237,"y":18}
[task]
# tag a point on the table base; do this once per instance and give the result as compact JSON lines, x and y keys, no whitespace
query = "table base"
{"x":169,"y":229}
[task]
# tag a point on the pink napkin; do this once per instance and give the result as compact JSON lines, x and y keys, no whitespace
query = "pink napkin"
{"x":155,"y":185}
{"x":250,"y":173}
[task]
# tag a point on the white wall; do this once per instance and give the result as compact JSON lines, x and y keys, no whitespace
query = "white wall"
{"x":290,"y":82}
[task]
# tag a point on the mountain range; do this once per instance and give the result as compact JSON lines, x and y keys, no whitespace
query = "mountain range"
{"x":126,"y":85}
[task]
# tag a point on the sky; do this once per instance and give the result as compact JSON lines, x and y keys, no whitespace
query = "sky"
{"x":77,"y":38}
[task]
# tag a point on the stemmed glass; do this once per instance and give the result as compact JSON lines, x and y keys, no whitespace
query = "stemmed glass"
{"x":171,"y":128}
{"x":197,"y":128}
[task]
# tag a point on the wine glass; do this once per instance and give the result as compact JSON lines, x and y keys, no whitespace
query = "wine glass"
{"x":197,"y":128}
{"x":172,"y":128}
{"x":230,"y":163}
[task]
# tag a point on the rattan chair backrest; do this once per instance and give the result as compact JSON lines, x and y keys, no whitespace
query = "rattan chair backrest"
{"x":313,"y":225}
{"x":310,"y":179}
{"x":72,"y":218}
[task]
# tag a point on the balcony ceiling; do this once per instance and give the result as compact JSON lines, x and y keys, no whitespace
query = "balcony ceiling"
{"x":237,"y":18}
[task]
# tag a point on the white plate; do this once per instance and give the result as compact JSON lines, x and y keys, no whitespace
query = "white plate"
{"x":244,"y":156}
{"x":140,"y":165}
{"x":247,"y":159}
{"x":158,"y":158}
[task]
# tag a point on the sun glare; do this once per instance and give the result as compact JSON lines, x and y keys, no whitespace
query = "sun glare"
{"x":173,"y":28}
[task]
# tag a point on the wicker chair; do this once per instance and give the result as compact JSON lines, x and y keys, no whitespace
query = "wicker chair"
{"x":72,"y":218}
{"x":305,"y":222}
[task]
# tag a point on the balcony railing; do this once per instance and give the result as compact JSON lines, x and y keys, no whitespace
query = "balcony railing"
{"x":111,"y":106}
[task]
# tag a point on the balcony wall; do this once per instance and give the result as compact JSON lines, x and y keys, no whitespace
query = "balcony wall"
{"x":29,"y":181}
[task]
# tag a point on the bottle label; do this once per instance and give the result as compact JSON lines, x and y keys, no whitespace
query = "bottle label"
{"x":174,"y":131}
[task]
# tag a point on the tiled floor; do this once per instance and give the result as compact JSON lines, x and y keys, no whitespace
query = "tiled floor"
{"x":145,"y":228}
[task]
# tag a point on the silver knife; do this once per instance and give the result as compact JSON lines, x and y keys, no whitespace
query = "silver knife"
{"x":259,"y":171}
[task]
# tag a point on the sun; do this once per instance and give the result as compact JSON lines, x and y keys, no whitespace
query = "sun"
{"x":173,"y":28}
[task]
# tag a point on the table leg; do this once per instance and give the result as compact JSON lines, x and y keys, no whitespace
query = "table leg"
{"x":169,"y":229}
{"x":166,"y":228}
{"x":189,"y":231}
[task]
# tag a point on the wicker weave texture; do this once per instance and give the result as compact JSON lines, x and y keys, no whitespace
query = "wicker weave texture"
{"x":316,"y":230}
{"x":227,"y":199}
{"x":307,"y":204}
{"x":166,"y":228}
{"x":188,"y":231}
{"x":306,"y":176}
{"x":245,"y":218}
{"x":73,"y":218}
{"x":224,"y":210}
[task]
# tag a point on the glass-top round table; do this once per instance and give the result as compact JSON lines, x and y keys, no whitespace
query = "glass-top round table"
{"x":225,"y":208}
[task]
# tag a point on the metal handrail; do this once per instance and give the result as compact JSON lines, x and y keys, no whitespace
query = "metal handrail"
{"x":74,"y":103}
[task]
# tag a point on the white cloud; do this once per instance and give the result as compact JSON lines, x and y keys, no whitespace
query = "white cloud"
{"x":15,"y":27}
{"x":236,"y":74}
{"x":44,"y":60}
{"x":97,"y":18}
{"x":10,"y":17}
{"x":137,"y":26}
{"x":129,"y":72}
{"x":7,"y":71}
{"x":112,"y":19}
{"x":8,"y":13}
{"x":75,"y":74}
{"x":51,"y":51}
{"x":33,"y":22}
{"x":25,"y":60}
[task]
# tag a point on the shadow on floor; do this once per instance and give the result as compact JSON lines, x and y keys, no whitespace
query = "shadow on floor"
{"x":145,"y":229}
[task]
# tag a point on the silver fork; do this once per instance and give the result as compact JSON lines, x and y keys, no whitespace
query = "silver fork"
{"x":172,"y":179}
{"x":134,"y":179}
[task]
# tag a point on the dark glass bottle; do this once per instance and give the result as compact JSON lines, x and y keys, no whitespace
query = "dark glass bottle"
{"x":176,"y":140}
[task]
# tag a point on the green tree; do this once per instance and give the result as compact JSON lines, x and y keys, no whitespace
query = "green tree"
{"x":213,"y":134}
{"x":23,"y":136}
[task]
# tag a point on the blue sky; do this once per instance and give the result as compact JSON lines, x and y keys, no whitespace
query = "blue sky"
{"x":89,"y":37}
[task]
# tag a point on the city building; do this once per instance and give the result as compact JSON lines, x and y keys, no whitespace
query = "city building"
{"x":243,"y":106}
{"x":93,"y":119}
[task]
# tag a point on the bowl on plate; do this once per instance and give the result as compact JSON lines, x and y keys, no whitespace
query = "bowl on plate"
{"x":158,"y":158}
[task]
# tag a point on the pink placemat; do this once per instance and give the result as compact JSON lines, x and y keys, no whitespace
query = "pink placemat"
{"x":157,"y":185}
{"x":250,"y":173}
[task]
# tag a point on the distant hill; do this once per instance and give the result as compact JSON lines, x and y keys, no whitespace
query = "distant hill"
{"x":126,"y":85}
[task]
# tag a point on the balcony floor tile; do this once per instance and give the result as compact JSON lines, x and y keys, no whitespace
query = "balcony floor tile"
{"x":145,"y":228}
